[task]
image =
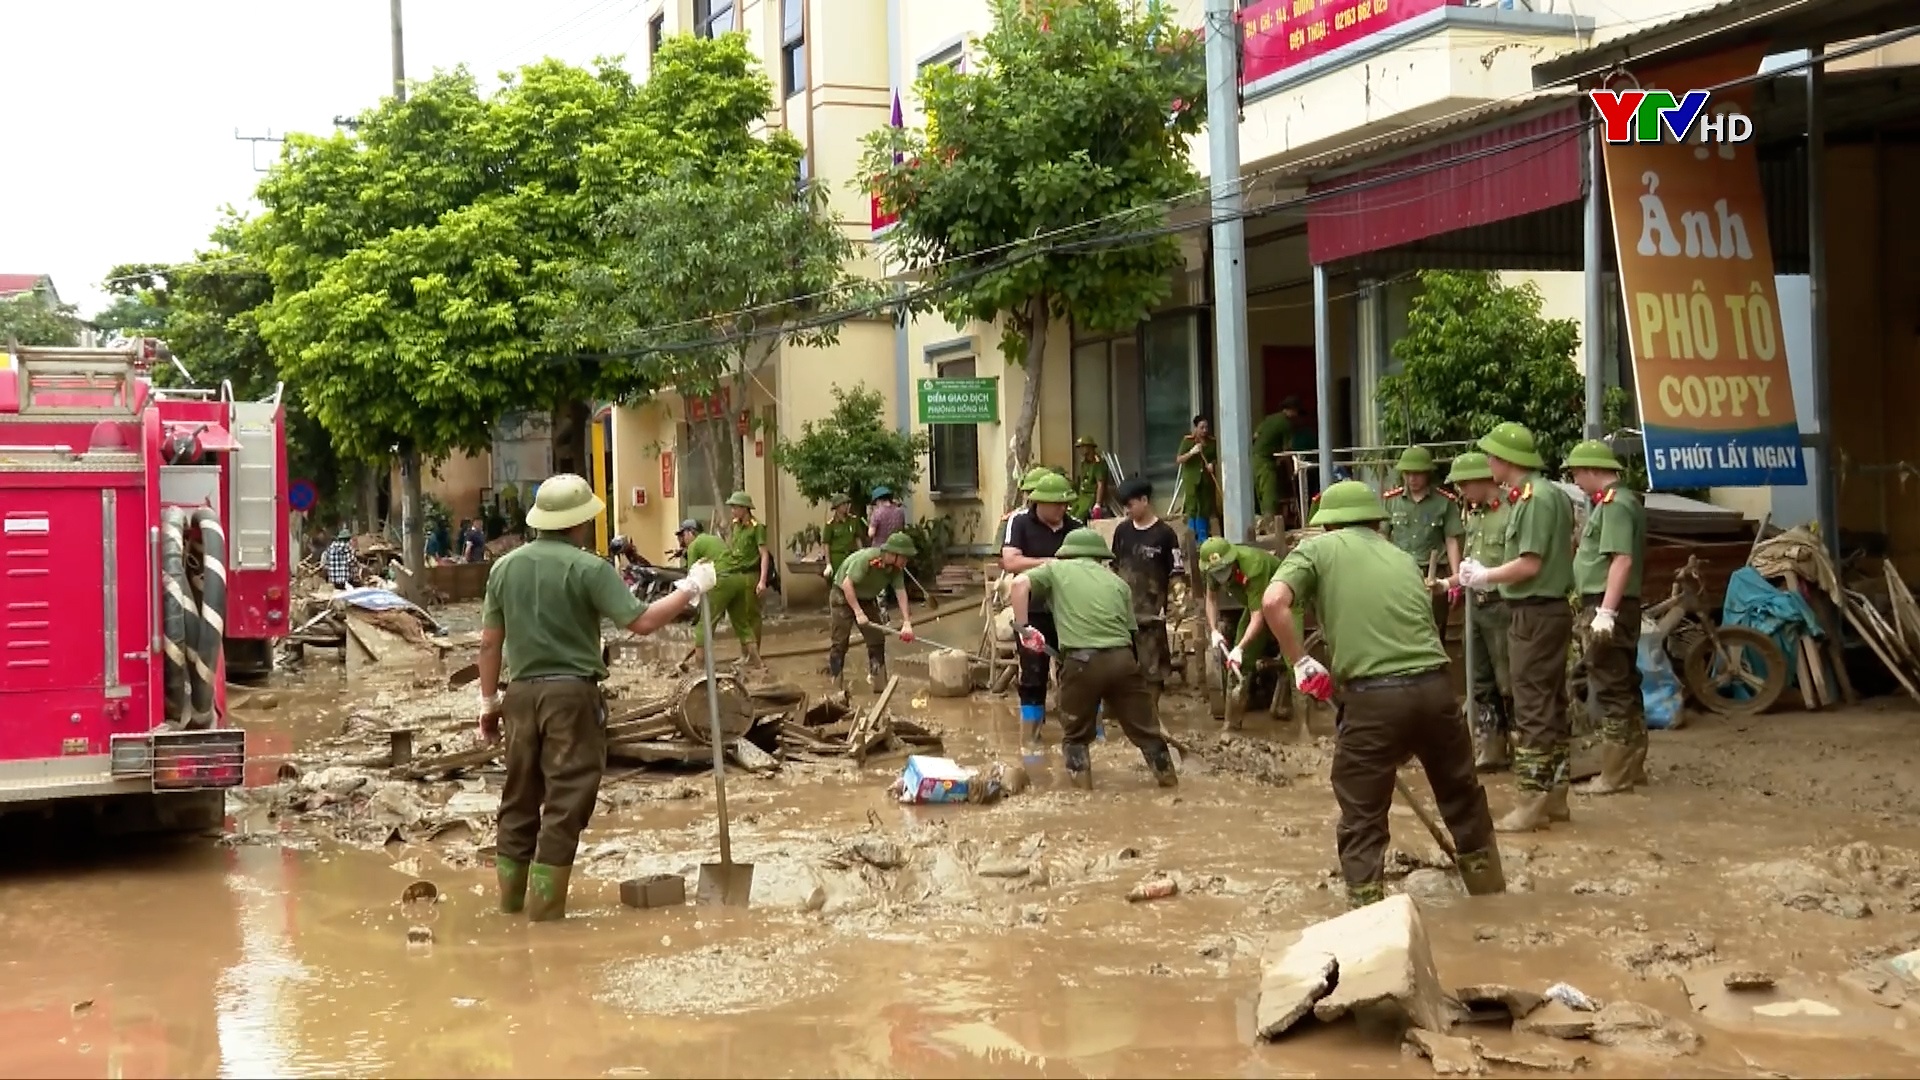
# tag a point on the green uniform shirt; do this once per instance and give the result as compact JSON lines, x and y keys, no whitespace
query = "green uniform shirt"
{"x":549,"y":597}
{"x":1541,"y":524}
{"x":1421,"y":527}
{"x":869,"y":576}
{"x":1092,"y":607}
{"x":743,"y":549}
{"x":842,"y":539}
{"x":1197,"y":492}
{"x":1253,"y":570}
{"x":1092,"y":475}
{"x":1616,"y":525}
{"x":1371,"y":601}
{"x":1274,"y":434}
{"x":1484,"y":531}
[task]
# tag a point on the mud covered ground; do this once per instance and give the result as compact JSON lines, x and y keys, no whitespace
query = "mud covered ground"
{"x":956,"y":941}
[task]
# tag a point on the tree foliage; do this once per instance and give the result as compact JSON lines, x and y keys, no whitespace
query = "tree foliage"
{"x":139,"y":305}
{"x":852,"y":450}
{"x":1478,"y":352}
{"x":1078,"y":111}
{"x":34,"y":319}
{"x":710,"y":266}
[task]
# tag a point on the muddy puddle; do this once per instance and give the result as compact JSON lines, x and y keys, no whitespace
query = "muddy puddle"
{"x":888,"y":940}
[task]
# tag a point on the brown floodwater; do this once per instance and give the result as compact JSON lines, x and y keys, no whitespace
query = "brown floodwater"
{"x":292,"y":957}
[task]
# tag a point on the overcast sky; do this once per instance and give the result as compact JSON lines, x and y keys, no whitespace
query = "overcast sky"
{"x":119,"y":115}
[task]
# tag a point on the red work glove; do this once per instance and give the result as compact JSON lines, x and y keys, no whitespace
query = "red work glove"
{"x":1313,"y":679}
{"x":1032,"y":640}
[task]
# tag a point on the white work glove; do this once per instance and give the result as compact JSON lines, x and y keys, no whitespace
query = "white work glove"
{"x":490,"y":710}
{"x":1472,"y":574}
{"x":1218,"y":641}
{"x":700,"y":580}
{"x":1313,"y":679}
{"x":1234,"y":659}
{"x":1603,"y":622}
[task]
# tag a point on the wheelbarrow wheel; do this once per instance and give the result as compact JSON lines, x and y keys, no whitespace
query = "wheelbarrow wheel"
{"x":1742,"y":676}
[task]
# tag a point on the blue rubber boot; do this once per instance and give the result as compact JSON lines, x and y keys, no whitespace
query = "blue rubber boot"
{"x":1031,"y":717}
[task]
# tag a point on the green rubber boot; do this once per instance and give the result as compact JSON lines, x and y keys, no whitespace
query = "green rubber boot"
{"x":512,"y":875}
{"x":548,"y":899}
{"x":1481,"y":872}
{"x":1364,"y":893}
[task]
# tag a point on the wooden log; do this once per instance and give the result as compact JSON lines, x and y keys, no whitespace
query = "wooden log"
{"x":653,"y":751}
{"x":471,"y":758}
{"x":1807,"y":668}
{"x":659,"y":726}
{"x":736,"y":708}
{"x":873,"y":729}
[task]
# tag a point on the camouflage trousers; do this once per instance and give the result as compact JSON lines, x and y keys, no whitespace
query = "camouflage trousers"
{"x":1492,"y":682}
{"x":1538,"y":637}
{"x":1613,"y":672}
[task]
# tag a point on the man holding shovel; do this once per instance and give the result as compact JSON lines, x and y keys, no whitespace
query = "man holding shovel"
{"x":540,"y":627}
{"x":857,"y":584}
{"x":1246,"y":570}
{"x":1395,"y":699}
{"x":1484,"y":520}
{"x":1606,"y":573}
{"x":1032,"y":541}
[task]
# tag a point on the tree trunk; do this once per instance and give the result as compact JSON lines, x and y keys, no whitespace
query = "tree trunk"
{"x":1032,"y":323}
{"x":413,"y":532}
{"x":713,"y":444}
{"x":369,"y":499}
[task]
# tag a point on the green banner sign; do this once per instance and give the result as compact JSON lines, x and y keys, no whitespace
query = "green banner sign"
{"x":960,"y":401}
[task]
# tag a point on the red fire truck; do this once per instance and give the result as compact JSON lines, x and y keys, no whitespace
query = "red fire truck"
{"x":143,"y":533}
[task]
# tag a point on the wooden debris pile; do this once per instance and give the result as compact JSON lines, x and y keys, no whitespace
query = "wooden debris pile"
{"x":1880,"y":610}
{"x":831,"y":729}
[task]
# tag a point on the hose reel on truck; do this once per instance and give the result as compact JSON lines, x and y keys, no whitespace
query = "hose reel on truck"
{"x":194,"y":611}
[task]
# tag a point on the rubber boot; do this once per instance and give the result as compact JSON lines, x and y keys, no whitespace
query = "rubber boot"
{"x":1616,"y":771}
{"x":876,"y":676}
{"x":1637,"y":765}
{"x":512,"y":876}
{"x":1557,"y":808}
{"x":1031,"y":718}
{"x":750,"y":656}
{"x":1079,"y":765}
{"x":1160,"y":763}
{"x":1529,"y":813}
{"x":1492,"y":752}
{"x":837,"y":671}
{"x":547,"y":892}
{"x":1481,"y":872}
{"x":1364,"y":893}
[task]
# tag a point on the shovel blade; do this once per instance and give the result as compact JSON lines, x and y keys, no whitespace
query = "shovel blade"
{"x":724,"y":884}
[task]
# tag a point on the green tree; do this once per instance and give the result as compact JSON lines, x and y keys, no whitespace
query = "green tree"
{"x":417,"y":262}
{"x":1079,"y":112}
{"x":33,"y":319}
{"x":715,"y":264}
{"x":852,"y":450}
{"x":1477,"y":352}
{"x":139,"y":304}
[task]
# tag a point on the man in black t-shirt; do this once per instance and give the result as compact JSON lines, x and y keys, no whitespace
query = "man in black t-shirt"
{"x":1032,"y":539}
{"x":1146,"y":554}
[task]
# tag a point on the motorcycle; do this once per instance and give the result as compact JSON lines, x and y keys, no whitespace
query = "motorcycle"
{"x":647,"y":582}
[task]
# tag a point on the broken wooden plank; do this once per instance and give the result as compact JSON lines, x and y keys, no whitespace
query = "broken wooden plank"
{"x":470,"y":758}
{"x":654,"y":727}
{"x":1861,"y":627}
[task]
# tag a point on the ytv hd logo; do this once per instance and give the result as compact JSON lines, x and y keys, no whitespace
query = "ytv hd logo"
{"x":1637,"y":116}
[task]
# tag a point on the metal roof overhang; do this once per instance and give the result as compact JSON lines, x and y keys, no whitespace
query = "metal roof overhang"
{"x":1780,"y":25}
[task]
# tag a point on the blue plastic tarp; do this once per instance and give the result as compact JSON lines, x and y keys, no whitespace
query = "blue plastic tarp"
{"x":1659,"y":686}
{"x":373,"y":598}
{"x":1754,"y":603}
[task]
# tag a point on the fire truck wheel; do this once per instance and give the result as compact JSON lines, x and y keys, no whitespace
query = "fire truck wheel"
{"x":172,"y":812}
{"x":249,"y":661}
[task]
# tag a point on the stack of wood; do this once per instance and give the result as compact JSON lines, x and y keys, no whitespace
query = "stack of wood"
{"x":831,"y":729}
{"x":1800,"y":562}
{"x":1894,"y":637}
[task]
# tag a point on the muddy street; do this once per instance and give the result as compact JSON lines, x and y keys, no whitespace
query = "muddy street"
{"x":960,"y":940}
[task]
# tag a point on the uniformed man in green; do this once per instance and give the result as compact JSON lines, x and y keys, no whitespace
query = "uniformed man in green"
{"x":1094,"y":621}
{"x":1027,"y":483}
{"x":1535,"y":581}
{"x":1606,"y":574}
{"x":1200,"y":496}
{"x":1274,"y":435}
{"x":857,"y":584}
{"x":743,"y":568}
{"x":842,"y":534}
{"x":1395,"y":697}
{"x":1424,"y":522}
{"x":1246,"y":570}
{"x":540,"y":634}
{"x":1090,"y":489}
{"x":1484,"y":511}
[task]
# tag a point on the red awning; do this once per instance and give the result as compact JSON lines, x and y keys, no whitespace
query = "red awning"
{"x":212,"y":437}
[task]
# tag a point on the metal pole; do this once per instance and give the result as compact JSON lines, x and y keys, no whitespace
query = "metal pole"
{"x":1229,"y":267}
{"x":1323,"y":374}
{"x":1593,"y":333}
{"x":399,"y":56}
{"x":1825,"y":479}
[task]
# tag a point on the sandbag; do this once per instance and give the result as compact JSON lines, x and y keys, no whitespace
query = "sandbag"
{"x":950,"y":674}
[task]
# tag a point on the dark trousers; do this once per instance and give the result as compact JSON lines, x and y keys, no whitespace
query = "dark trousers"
{"x":1613,"y":672}
{"x":1155,"y":654}
{"x":1381,"y":723}
{"x":1035,"y":668}
{"x":556,"y":732}
{"x":1090,"y":678}
{"x":1538,"y":636}
{"x":1442,"y":614}
{"x":844,"y":625}
{"x":1492,"y":683}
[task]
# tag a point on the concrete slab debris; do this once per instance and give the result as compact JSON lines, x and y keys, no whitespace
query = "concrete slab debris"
{"x":1370,"y":957}
{"x":1556,"y":1021}
{"x":1450,"y":1055}
{"x":1497,"y":1002}
{"x":1643,"y":1028}
{"x":1539,"y":1056}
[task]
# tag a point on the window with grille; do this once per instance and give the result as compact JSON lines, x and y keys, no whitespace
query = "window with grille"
{"x":955,"y":465}
{"x":711,"y":18}
{"x":793,"y":46}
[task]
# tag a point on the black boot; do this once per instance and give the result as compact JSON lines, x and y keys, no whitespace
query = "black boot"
{"x":1160,"y":763}
{"x":1079,"y":765}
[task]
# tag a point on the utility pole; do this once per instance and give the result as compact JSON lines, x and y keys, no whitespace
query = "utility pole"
{"x":399,"y":56}
{"x":412,"y":528}
{"x":1229,"y":268}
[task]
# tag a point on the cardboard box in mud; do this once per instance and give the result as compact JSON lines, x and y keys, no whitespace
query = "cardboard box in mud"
{"x":935,"y":780}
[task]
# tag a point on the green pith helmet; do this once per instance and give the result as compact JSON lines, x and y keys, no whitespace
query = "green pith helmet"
{"x":1084,"y":544}
{"x":740,"y":499}
{"x":705,"y":546}
{"x":1084,"y":441}
{"x":1593,"y":454}
{"x":1471,"y":465}
{"x":1512,"y":442}
{"x":900,"y":544}
{"x":841,"y":500}
{"x":1416,"y":459}
{"x":1216,"y":557}
{"x":1052,"y":488}
{"x":1347,"y":503}
{"x":344,"y":533}
{"x":1033,"y":478}
{"x":564,"y":501}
